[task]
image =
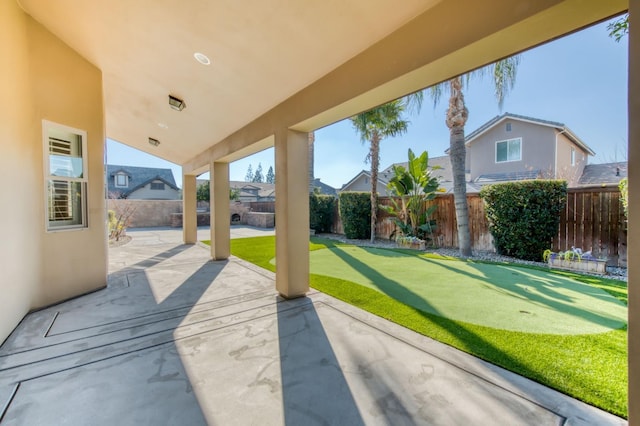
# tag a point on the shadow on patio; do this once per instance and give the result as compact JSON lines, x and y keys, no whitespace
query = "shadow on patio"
{"x":178,"y":339}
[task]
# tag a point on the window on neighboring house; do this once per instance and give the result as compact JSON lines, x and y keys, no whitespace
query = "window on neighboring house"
{"x":66,"y":176}
{"x":122,"y":180}
{"x":508,"y":127}
{"x":573,"y":156}
{"x":509,"y":150}
{"x":157,"y":185}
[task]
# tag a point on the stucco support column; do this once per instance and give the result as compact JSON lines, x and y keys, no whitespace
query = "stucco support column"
{"x":189,"y":213}
{"x":633,"y":233}
{"x":292,"y":213}
{"x":219,"y":208}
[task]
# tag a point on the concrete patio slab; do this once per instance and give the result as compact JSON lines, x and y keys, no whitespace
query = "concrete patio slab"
{"x":178,"y":339}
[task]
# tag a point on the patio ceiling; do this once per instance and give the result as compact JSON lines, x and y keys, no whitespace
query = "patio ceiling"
{"x":306,"y":60}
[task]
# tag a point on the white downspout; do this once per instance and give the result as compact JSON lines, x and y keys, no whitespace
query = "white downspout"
{"x":555,"y":167}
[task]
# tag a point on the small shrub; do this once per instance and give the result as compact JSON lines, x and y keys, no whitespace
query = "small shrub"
{"x":355,"y":212}
{"x":321,"y":211}
{"x":524,"y":216}
{"x":623,"y":185}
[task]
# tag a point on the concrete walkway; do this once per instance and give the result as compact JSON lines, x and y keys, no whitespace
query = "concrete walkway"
{"x":178,"y":339}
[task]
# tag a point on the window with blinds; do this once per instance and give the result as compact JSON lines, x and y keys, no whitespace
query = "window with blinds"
{"x":65,"y":172}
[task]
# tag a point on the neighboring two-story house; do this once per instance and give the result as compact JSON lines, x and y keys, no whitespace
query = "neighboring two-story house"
{"x":506,"y":148}
{"x":514,"y":147}
{"x":141,"y":183}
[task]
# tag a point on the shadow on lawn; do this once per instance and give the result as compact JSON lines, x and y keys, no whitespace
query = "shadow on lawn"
{"x":458,"y":332}
{"x":522,"y":283}
{"x":520,"y":280}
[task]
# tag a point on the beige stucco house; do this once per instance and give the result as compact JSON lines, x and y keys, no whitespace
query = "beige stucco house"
{"x":506,"y":148}
{"x":513,"y":147}
{"x":205,"y":83}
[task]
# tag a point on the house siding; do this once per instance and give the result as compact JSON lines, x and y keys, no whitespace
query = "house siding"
{"x":538,"y":149}
{"x":146,"y":193}
{"x":564,"y":168}
{"x":45,"y":79}
{"x":363,"y":184}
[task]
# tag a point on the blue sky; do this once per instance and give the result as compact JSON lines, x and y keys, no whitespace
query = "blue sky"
{"x":579,"y":80}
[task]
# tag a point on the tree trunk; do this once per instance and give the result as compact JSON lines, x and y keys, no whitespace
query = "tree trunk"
{"x":312,"y":138}
{"x":374,"y":154}
{"x":457,"y":115}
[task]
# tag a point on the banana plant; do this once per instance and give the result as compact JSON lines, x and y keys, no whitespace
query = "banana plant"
{"x":413,"y":186}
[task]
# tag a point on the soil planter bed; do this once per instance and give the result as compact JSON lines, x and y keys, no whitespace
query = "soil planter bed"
{"x":592,"y":266}
{"x":413,"y":244}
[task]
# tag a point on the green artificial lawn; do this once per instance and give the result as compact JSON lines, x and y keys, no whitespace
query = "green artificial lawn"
{"x":498,"y":296}
{"x":590,"y":367}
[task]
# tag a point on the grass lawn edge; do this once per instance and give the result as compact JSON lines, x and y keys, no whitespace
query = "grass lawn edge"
{"x":602,"y":388}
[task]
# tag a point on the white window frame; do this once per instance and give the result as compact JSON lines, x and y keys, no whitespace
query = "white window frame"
{"x":126,"y":180}
{"x":47,"y":127}
{"x":573,"y":156}
{"x":495,"y":156}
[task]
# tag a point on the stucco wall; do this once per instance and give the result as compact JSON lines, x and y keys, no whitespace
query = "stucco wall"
{"x":44,"y":79}
{"x":564,"y":169}
{"x":20,"y":165}
{"x":538,"y":149}
{"x":148,"y":213}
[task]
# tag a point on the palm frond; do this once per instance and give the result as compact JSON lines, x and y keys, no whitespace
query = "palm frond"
{"x":504,"y":77}
{"x":414,"y":101}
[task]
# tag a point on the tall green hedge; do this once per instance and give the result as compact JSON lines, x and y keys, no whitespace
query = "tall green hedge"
{"x":355,"y":212}
{"x":321,"y":211}
{"x":524,"y":216}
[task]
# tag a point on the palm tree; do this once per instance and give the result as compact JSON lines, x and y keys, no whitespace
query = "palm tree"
{"x":504,"y":76}
{"x":374,"y":126}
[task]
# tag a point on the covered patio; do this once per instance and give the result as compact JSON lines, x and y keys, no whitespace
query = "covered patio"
{"x":179,"y":339}
{"x":202,"y":84}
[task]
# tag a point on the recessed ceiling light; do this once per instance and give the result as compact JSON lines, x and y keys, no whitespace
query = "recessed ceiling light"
{"x":202,"y":58}
{"x":163,"y":125}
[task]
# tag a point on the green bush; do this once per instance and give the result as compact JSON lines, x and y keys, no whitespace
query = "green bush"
{"x":355,"y":212}
{"x":623,"y":185}
{"x":524,"y":216}
{"x":321,"y":211}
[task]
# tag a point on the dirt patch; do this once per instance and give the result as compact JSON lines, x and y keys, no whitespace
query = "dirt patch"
{"x":122,"y":241}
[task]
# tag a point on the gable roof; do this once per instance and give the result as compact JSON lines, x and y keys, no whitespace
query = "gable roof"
{"x":254,"y":189}
{"x":508,"y":116}
{"x":138,"y":177}
{"x":443,"y":173}
{"x":324,"y":188}
{"x":366,"y":174}
{"x":603,"y":174}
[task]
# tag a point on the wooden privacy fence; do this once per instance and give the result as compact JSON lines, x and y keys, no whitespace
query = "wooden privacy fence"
{"x":593,"y":219}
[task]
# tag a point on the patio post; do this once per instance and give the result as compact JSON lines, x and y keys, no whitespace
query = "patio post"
{"x":292,"y":213}
{"x":219,"y":210}
{"x":189,"y":215}
{"x":633,"y":233}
